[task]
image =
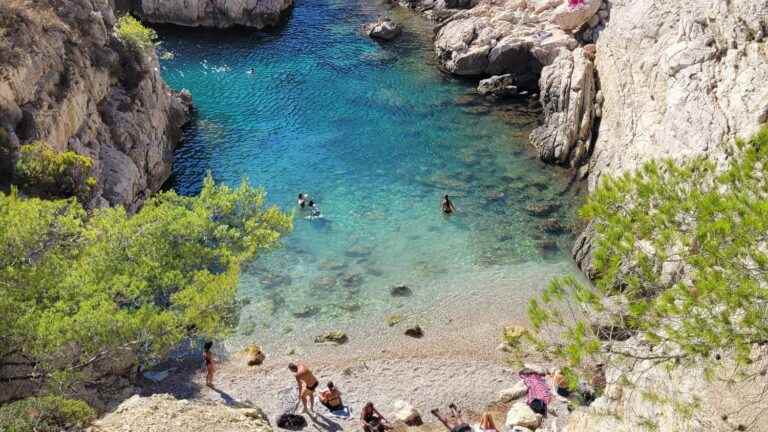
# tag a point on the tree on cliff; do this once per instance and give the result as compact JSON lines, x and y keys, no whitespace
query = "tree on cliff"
{"x":681,"y":257}
{"x":78,"y":288}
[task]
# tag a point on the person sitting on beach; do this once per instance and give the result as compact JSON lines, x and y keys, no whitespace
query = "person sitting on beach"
{"x":486,"y":423}
{"x":307,"y":383}
{"x":208,"y":360}
{"x":302,"y":201}
{"x":331,"y":397}
{"x":372,"y":420}
{"x":454,"y":424}
{"x":538,"y":391}
{"x":561,"y":384}
{"x":448,"y":206}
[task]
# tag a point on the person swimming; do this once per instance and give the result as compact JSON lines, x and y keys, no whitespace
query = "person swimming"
{"x":251,"y":71}
{"x":448,"y":207}
{"x":314,"y":210}
{"x":302,"y":201}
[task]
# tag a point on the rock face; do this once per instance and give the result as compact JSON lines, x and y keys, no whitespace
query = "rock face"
{"x":687,"y":76}
{"x":68,"y":81}
{"x":383,"y":29}
{"x":521,"y":415}
{"x":164,"y":412}
{"x":259,"y":14}
{"x":498,"y":86}
{"x":568,"y":91}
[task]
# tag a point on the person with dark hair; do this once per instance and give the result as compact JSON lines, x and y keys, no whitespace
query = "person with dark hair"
{"x":448,"y":207}
{"x":331,"y":397}
{"x":454,"y":424}
{"x":302,"y":201}
{"x":307,"y":383}
{"x":208,"y":359}
{"x":538,"y":396}
{"x":372,"y":420}
{"x":314,"y":210}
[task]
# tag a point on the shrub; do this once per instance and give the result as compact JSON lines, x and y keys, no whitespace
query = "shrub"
{"x":47,"y":172}
{"x":45,"y":414}
{"x":131,"y":31}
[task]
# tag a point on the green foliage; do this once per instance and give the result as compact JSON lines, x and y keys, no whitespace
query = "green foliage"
{"x":78,"y":287}
{"x":684,"y":248}
{"x":44,"y":171}
{"x":131,"y":31}
{"x":45,"y":414}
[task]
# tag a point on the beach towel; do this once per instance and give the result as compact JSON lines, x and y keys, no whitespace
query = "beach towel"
{"x":342,"y":413}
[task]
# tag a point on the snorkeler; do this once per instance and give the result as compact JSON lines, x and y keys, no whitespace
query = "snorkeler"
{"x":448,"y":206}
{"x":314,"y":210}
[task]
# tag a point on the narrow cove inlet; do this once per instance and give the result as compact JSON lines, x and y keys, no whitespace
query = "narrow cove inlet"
{"x":376,"y":135}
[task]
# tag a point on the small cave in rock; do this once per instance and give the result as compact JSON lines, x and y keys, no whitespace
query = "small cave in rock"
{"x":519,"y":62}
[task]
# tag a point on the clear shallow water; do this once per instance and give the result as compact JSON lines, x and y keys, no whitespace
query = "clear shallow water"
{"x":376,"y":135}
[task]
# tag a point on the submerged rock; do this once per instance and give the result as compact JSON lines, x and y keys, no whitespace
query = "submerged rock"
{"x":338,"y":337}
{"x":306,"y":311}
{"x":383,"y":29}
{"x":553,"y":226}
{"x":542,"y":209}
{"x":400,"y":291}
{"x":325,"y":283}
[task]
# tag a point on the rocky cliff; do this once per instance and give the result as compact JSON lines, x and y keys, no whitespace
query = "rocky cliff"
{"x":67,"y":80}
{"x":259,"y":14}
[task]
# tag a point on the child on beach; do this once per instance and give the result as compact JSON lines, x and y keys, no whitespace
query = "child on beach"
{"x":208,"y":360}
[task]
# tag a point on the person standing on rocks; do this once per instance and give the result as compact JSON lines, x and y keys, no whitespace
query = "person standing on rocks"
{"x":307,"y":383}
{"x":209,"y":367}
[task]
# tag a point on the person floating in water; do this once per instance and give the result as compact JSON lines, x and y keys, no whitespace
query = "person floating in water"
{"x":314,"y":210}
{"x":448,"y":207}
{"x":251,"y":71}
{"x":302,"y":201}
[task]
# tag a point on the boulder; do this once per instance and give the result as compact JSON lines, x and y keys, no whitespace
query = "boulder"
{"x":414,"y":332}
{"x":400,"y":291}
{"x":259,"y":14}
{"x":569,"y":17}
{"x":406,"y":413}
{"x":255,"y":355}
{"x":383,"y":29}
{"x":515,"y":392}
{"x":338,"y":337}
{"x":498,"y":86}
{"x":552,"y":226}
{"x":520,"y":414}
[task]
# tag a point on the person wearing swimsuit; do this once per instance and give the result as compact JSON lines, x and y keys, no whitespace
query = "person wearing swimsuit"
{"x":208,"y":359}
{"x":448,"y":207}
{"x":331,"y":398}
{"x":455,"y":424}
{"x":307,"y":383}
{"x":372,"y":420}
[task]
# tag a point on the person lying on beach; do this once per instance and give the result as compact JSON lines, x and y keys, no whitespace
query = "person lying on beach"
{"x":454,"y":424}
{"x":448,"y":207}
{"x":372,"y":420}
{"x":486,"y":423}
{"x":307,"y":383}
{"x":209,"y":367}
{"x":331,"y":397}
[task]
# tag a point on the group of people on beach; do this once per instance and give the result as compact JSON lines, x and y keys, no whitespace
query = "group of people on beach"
{"x":538,"y":397}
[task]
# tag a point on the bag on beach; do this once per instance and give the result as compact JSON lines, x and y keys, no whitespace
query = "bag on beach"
{"x":291,"y":421}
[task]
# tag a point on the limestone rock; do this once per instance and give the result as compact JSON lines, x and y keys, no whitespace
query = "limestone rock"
{"x":406,"y":413}
{"x":567,"y":96}
{"x":515,"y":392}
{"x":338,"y":337}
{"x":255,"y":355}
{"x":498,"y":86}
{"x":522,"y":415}
{"x":572,"y":17}
{"x":259,"y":14}
{"x":163,"y":412}
{"x":383,"y":29}
{"x":69,"y":81}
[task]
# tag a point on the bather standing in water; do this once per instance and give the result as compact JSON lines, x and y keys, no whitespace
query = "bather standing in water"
{"x":448,"y":207}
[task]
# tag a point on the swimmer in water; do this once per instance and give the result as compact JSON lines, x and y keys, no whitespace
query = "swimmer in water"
{"x":314,"y":209}
{"x":302,"y":201}
{"x":448,"y":207}
{"x":251,"y":71}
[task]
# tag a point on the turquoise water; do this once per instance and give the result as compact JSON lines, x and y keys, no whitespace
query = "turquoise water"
{"x":376,"y":135}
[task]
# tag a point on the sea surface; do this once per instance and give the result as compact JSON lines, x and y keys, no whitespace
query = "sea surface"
{"x":376,"y":135}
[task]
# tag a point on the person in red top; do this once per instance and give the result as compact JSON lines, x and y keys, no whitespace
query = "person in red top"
{"x":208,"y":359}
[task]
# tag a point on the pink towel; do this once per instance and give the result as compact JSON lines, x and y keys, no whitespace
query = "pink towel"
{"x":537,"y":387}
